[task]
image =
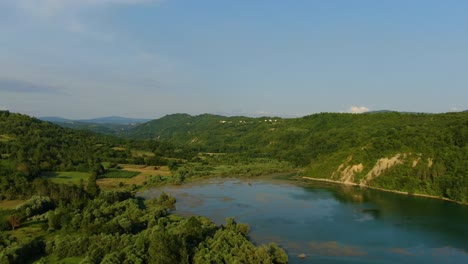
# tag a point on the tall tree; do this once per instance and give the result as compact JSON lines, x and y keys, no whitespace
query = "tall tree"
{"x":92,"y":188}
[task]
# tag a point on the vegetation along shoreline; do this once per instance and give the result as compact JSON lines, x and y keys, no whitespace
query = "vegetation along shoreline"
{"x":382,"y":189}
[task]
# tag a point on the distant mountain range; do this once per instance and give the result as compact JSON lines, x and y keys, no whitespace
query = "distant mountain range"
{"x":111,"y":125}
{"x":134,"y":121}
{"x":167,"y":125}
{"x":101,"y":120}
{"x":55,"y":119}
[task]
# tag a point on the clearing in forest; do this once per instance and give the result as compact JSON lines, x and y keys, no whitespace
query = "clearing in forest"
{"x":10,"y":204}
{"x":67,"y":177}
{"x":140,"y":179}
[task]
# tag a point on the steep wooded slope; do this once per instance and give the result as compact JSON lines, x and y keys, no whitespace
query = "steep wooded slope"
{"x":425,"y":153}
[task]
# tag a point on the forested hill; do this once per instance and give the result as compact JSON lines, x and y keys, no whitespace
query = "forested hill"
{"x":33,"y":145}
{"x":111,"y":125}
{"x":421,"y":153}
{"x":29,"y":146}
{"x":416,"y":153}
{"x":70,"y":222}
{"x":182,"y":127}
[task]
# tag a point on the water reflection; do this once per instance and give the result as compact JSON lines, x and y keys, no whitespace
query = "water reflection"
{"x":427,"y":216}
{"x":332,"y":223}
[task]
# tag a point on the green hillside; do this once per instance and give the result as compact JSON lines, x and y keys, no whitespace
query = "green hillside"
{"x":57,"y":213}
{"x":30,"y":147}
{"x":417,"y":153}
{"x":63,"y":215}
{"x":102,"y":128}
{"x":45,"y":146}
{"x":111,"y":125}
{"x":414,"y":153}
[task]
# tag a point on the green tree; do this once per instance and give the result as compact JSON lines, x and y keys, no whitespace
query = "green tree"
{"x":92,"y":188}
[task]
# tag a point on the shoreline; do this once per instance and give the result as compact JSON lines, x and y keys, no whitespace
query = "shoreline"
{"x":274,"y":176}
{"x":382,"y":189}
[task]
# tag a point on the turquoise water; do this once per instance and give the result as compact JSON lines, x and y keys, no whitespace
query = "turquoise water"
{"x":332,"y":223}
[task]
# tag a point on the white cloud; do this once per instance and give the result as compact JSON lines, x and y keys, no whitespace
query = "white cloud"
{"x":49,"y":8}
{"x":68,"y":14}
{"x":3,"y":108}
{"x":358,"y":109}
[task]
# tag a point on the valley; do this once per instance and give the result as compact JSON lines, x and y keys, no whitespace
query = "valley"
{"x":49,"y":173}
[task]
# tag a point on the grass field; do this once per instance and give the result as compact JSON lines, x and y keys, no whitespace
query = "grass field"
{"x":147,"y":170}
{"x":106,"y":165}
{"x":143,"y":170}
{"x":55,"y":259}
{"x":142,"y":153}
{"x":116,"y":173}
{"x":136,"y":152}
{"x":67,"y":177}
{"x":119,"y":148}
{"x":130,"y":174}
{"x":28,"y":231}
{"x":10,"y":204}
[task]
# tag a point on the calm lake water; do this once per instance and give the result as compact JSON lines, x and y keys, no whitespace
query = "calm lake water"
{"x":332,"y":223}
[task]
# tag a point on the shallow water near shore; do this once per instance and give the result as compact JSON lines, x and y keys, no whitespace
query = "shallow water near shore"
{"x":331,"y":223}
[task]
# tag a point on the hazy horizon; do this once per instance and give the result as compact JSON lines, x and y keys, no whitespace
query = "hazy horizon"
{"x":255,"y":115}
{"x":82,"y":59}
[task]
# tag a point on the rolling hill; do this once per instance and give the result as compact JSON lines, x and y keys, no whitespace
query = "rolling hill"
{"x":111,"y":125}
{"x":415,"y":153}
{"x":48,"y":213}
{"x":115,"y":120}
{"x":40,"y":145}
{"x":100,"y":120}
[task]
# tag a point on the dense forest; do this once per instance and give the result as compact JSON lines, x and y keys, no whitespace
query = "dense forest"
{"x":108,"y":129}
{"x":29,"y":147}
{"x":421,"y":153}
{"x":116,"y":227}
{"x":82,"y":223}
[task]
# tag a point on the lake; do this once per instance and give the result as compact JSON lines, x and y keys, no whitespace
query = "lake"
{"x":331,"y":223}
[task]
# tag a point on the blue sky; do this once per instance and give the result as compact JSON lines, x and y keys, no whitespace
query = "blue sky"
{"x":148,"y":58}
